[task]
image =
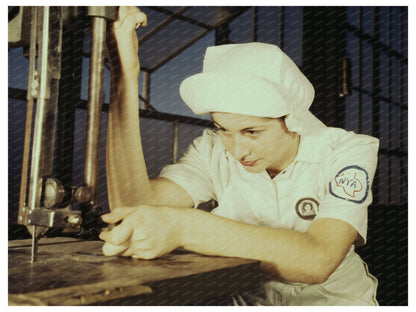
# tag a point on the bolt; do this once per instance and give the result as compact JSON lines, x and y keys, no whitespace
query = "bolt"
{"x":83,"y":194}
{"x":74,"y":219}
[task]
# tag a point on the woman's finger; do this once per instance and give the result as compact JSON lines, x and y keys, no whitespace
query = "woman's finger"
{"x":141,"y":19}
{"x":116,"y":215}
{"x":138,"y":251}
{"x":112,"y":250}
{"x":133,"y":19}
{"x":118,"y":235}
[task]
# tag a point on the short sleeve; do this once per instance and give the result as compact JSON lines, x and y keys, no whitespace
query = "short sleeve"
{"x":192,"y":171}
{"x":348,"y":174}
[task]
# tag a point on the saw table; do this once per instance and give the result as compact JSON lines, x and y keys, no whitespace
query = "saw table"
{"x":75,"y":272}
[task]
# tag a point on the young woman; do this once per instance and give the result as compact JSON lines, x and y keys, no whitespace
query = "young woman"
{"x":291,"y":192}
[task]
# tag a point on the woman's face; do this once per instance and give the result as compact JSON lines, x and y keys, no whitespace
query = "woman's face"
{"x":257,"y":143}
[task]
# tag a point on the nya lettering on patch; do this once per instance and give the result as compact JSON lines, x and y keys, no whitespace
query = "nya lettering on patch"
{"x":350,"y":183}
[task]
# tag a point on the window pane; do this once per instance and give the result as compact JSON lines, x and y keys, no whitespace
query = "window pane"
{"x":384,"y":25}
{"x":269,"y":25}
{"x":18,"y":69}
{"x":383,"y":120}
{"x":157,"y":140}
{"x":384,"y":74}
{"x":395,"y":29}
{"x":293,"y":35}
{"x":367,"y":63}
{"x":165,"y":82}
{"x":242,"y":28}
{"x":351,"y":112}
{"x":368,"y":20}
{"x":186,"y":134}
{"x":353,"y":16}
{"x":366,"y":114}
{"x":353,"y":53}
{"x":395,"y":80}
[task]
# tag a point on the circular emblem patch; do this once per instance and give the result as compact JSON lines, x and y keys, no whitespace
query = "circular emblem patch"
{"x":307,"y":208}
{"x":351,"y":183}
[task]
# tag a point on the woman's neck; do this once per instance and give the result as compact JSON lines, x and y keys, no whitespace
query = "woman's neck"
{"x":289,"y":157}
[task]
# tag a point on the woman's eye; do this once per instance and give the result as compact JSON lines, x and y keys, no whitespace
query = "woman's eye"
{"x":253,"y":133}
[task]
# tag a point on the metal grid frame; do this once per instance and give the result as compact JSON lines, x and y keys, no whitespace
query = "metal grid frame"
{"x":381,"y":56}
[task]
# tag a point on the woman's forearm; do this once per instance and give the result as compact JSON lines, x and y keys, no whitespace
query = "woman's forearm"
{"x":290,"y":255}
{"x":127,"y":179}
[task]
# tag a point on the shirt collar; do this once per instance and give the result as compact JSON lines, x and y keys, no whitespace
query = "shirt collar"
{"x":312,"y":148}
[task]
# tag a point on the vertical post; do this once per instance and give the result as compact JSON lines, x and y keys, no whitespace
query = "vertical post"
{"x":221,"y":34}
{"x":47,"y":78}
{"x":95,"y":100}
{"x":34,"y":250}
{"x":255,"y":23}
{"x":145,"y":89}
{"x":175,"y":141}
{"x":91,"y":211}
{"x":41,"y":111}
{"x":45,"y":44}
{"x":69,"y":95}
{"x":23,"y":200}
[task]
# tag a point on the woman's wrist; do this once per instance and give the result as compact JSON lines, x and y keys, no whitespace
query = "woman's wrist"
{"x":185,"y":218}
{"x":129,"y":73}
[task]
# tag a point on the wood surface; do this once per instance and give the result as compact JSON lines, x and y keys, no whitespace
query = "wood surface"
{"x":75,"y":272}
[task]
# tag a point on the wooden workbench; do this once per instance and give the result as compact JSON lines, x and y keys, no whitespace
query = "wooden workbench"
{"x":75,"y":272}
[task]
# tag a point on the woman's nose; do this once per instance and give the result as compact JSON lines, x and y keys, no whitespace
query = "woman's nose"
{"x":241,"y":150}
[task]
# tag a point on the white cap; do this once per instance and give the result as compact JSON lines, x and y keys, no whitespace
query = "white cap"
{"x":254,"y":79}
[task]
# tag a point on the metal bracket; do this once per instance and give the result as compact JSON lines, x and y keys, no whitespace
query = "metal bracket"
{"x":62,"y":218}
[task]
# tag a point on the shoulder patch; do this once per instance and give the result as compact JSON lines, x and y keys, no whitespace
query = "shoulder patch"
{"x":350,"y":183}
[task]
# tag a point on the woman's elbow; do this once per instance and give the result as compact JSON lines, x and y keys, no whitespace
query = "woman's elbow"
{"x":322,"y":270}
{"x":307,"y":274}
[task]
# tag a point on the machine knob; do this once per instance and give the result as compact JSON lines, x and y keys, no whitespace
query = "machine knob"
{"x":83,"y":194}
{"x":54,"y":193}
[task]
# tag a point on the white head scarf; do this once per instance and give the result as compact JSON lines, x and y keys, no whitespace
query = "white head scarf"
{"x":254,"y":79}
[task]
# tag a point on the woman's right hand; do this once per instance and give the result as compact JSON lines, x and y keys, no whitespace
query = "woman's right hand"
{"x":122,"y":41}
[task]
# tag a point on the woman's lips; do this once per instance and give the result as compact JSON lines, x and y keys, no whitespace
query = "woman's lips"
{"x":248,"y":163}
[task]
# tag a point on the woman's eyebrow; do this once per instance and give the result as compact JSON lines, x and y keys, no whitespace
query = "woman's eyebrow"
{"x":252,"y":128}
{"x":216,"y":124}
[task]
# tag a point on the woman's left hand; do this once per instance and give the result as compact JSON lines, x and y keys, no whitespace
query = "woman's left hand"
{"x":144,"y":232}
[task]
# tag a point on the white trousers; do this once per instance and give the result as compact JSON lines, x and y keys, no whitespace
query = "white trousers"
{"x":350,"y":285}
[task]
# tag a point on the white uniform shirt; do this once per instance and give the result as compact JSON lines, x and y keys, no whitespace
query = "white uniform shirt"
{"x":330,"y":177}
